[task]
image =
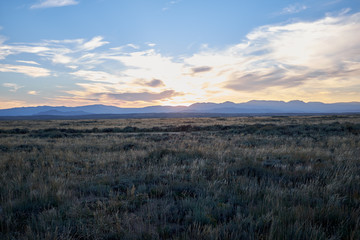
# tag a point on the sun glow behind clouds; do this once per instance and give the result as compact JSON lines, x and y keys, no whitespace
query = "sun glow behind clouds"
{"x":310,"y":61}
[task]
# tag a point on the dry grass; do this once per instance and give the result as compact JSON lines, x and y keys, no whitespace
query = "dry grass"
{"x":191,"y":178}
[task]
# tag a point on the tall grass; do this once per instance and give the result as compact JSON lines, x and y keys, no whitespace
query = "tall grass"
{"x":193,"y":178}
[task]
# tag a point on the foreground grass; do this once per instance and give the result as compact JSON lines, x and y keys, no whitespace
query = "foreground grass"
{"x":205,"y":178}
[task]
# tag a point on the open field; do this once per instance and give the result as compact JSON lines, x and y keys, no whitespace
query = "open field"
{"x":192,"y":178}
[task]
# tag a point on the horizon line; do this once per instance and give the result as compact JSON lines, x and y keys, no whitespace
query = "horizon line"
{"x":254,"y":100}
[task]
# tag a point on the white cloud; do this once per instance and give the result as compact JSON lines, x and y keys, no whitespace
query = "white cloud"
{"x":93,"y":43}
{"x":13,"y":86}
{"x":97,"y":76}
{"x":33,"y":92}
{"x":54,"y":3}
{"x":66,"y":52}
{"x":322,"y":44}
{"x":133,"y":46}
{"x":287,"y":61}
{"x":293,"y":8}
{"x":149,"y":64}
{"x":27,"y":70}
{"x":28,"y":62}
{"x":151,"y":44}
{"x":77,"y":41}
{"x":61,"y":59}
{"x":6,"y":50}
{"x":73,"y":67}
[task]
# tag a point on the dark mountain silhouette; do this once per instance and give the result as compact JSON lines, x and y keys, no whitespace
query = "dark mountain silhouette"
{"x":251,"y":107}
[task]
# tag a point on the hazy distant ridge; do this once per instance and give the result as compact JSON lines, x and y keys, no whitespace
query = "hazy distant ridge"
{"x":255,"y":106}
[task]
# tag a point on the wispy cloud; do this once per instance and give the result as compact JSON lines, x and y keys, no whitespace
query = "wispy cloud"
{"x":13,"y":86}
{"x":6,"y":50}
{"x":54,"y":3}
{"x":170,"y":4}
{"x":93,"y":43}
{"x":28,"y":62}
{"x":133,"y":46}
{"x":27,"y":70}
{"x":97,"y":76}
{"x":293,"y":8}
{"x":68,"y":51}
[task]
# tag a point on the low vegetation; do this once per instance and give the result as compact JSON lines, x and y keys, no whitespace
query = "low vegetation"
{"x":192,"y":178}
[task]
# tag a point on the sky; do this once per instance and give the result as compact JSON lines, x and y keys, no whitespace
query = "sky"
{"x":136,"y":53}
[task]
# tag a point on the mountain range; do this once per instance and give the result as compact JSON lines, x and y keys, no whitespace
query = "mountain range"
{"x":251,"y":107}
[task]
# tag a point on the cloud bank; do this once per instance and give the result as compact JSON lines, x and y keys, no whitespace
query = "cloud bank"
{"x":298,"y":54}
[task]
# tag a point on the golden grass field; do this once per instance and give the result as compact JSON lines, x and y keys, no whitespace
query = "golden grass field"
{"x":295,"y":177}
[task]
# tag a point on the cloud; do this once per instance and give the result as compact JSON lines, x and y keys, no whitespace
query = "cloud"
{"x":73,"y":67}
{"x":257,"y":81}
{"x":6,"y":50}
{"x":293,"y":8}
{"x":152,"y":83}
{"x":151,"y":44}
{"x":27,"y":70}
{"x":321,"y":44}
{"x":33,"y":92}
{"x":288,"y":55}
{"x":28,"y":62}
{"x":201,"y":69}
{"x":133,"y":46}
{"x":170,"y":4}
{"x":69,"y":52}
{"x":149,"y":64}
{"x":54,"y":3}
{"x":143,"y":96}
{"x":93,"y":43}
{"x":13,"y":86}
{"x":97,"y":76}
{"x":61,"y":59}
{"x":155,"y":83}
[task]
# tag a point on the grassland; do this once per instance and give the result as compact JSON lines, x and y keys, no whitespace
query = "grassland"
{"x":192,"y":178}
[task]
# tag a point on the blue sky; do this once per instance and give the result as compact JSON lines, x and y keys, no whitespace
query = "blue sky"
{"x":134,"y":53}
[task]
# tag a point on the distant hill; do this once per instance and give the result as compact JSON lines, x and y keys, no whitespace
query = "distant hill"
{"x":251,"y":107}
{"x":55,"y":112}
